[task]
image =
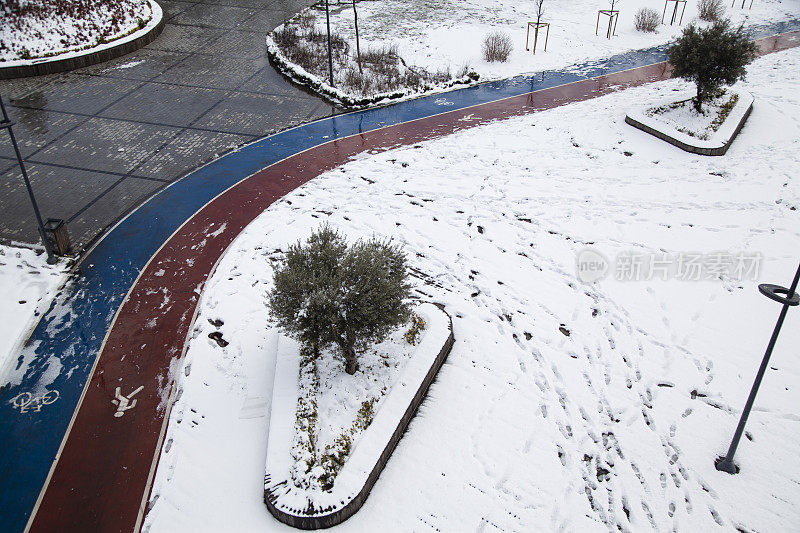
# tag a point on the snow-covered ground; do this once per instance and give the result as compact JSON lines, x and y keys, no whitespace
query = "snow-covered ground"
{"x":31,"y":29}
{"x":448,"y":34}
{"x":680,"y":114}
{"x":27,"y":284}
{"x":563,"y":405}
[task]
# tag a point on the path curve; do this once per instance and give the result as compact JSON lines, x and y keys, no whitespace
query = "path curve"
{"x":142,"y":282}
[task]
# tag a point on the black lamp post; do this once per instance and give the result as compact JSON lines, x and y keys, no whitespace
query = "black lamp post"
{"x":330,"y":53}
{"x":7,"y":123}
{"x":787,"y":297}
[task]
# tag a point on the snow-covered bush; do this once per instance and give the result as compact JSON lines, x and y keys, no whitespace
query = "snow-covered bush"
{"x":711,"y":57}
{"x":329,"y":293}
{"x":710,"y":10}
{"x":646,"y":19}
{"x":497,"y":47}
{"x":375,"y":71}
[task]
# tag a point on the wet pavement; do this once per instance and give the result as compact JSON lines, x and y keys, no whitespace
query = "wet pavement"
{"x":100,"y":140}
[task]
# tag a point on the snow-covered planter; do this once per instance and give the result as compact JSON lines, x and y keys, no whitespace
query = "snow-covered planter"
{"x":95,"y":48}
{"x":312,"y":507}
{"x":301,"y":76}
{"x":710,"y":133}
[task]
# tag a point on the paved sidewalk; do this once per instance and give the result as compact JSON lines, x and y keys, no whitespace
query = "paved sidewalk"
{"x":100,"y":140}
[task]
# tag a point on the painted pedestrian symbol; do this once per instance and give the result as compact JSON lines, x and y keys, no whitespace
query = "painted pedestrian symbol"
{"x":124,"y":403}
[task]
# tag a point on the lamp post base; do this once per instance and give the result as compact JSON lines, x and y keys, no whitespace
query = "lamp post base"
{"x":724,"y":465}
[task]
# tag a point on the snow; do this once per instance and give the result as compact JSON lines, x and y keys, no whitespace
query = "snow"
{"x":391,"y":386}
{"x":62,"y":37}
{"x":563,"y":405}
{"x":27,"y":283}
{"x":677,"y":118}
{"x":448,"y":34}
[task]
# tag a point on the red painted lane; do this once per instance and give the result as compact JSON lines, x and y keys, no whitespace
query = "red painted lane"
{"x":102,"y":478}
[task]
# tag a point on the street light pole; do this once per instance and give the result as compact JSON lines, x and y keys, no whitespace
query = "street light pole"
{"x":788,"y":297}
{"x":330,"y":53}
{"x":7,"y":123}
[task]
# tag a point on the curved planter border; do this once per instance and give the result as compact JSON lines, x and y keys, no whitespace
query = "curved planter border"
{"x":114,"y":49}
{"x":272,"y":489}
{"x":719,"y":142}
{"x":300,"y":76}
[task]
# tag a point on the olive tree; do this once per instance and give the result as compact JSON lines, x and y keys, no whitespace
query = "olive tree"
{"x":711,"y":57}
{"x":329,"y":293}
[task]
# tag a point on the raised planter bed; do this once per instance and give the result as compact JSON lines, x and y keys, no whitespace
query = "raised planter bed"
{"x":21,"y":68}
{"x":320,"y":509}
{"x":716,"y":144}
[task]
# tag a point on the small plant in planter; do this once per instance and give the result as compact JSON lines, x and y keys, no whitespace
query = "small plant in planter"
{"x":329,"y":293}
{"x":711,"y":57}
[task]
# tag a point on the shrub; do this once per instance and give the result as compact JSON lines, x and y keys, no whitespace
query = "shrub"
{"x":417,"y":325}
{"x":711,"y":57}
{"x":497,"y":47}
{"x":711,"y":10}
{"x":646,"y":19}
{"x":327,"y":292}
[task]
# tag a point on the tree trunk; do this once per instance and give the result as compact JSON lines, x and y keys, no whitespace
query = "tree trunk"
{"x":351,"y":361}
{"x":358,"y":45}
{"x":698,"y":101}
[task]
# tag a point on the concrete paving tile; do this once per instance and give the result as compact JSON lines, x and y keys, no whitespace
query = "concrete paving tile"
{"x":237,"y":44}
{"x":257,"y":114}
{"x":269,"y":81}
{"x":189,"y":150}
{"x":213,"y":16}
{"x":76,"y":93}
{"x":143,"y":64}
{"x":177,"y":38}
{"x":107,"y":145}
{"x":210,"y":71}
{"x":173,"y":8}
{"x":265,"y":20}
{"x":165,"y":104}
{"x":35,"y":129}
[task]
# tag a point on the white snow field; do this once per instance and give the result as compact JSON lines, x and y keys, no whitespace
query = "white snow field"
{"x":442,"y":34}
{"x":563,"y":405}
{"x":27,"y":284}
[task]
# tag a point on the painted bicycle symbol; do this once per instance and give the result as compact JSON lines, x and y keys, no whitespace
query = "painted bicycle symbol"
{"x":28,"y":402}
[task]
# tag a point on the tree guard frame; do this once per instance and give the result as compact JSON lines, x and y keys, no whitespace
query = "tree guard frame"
{"x":675,"y":11}
{"x":536,"y":27}
{"x":613,"y":16}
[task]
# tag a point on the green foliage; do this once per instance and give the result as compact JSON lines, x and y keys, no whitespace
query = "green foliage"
{"x":334,"y":458}
{"x":304,"y":449}
{"x":327,"y":292}
{"x":417,"y":325}
{"x":711,"y":57}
